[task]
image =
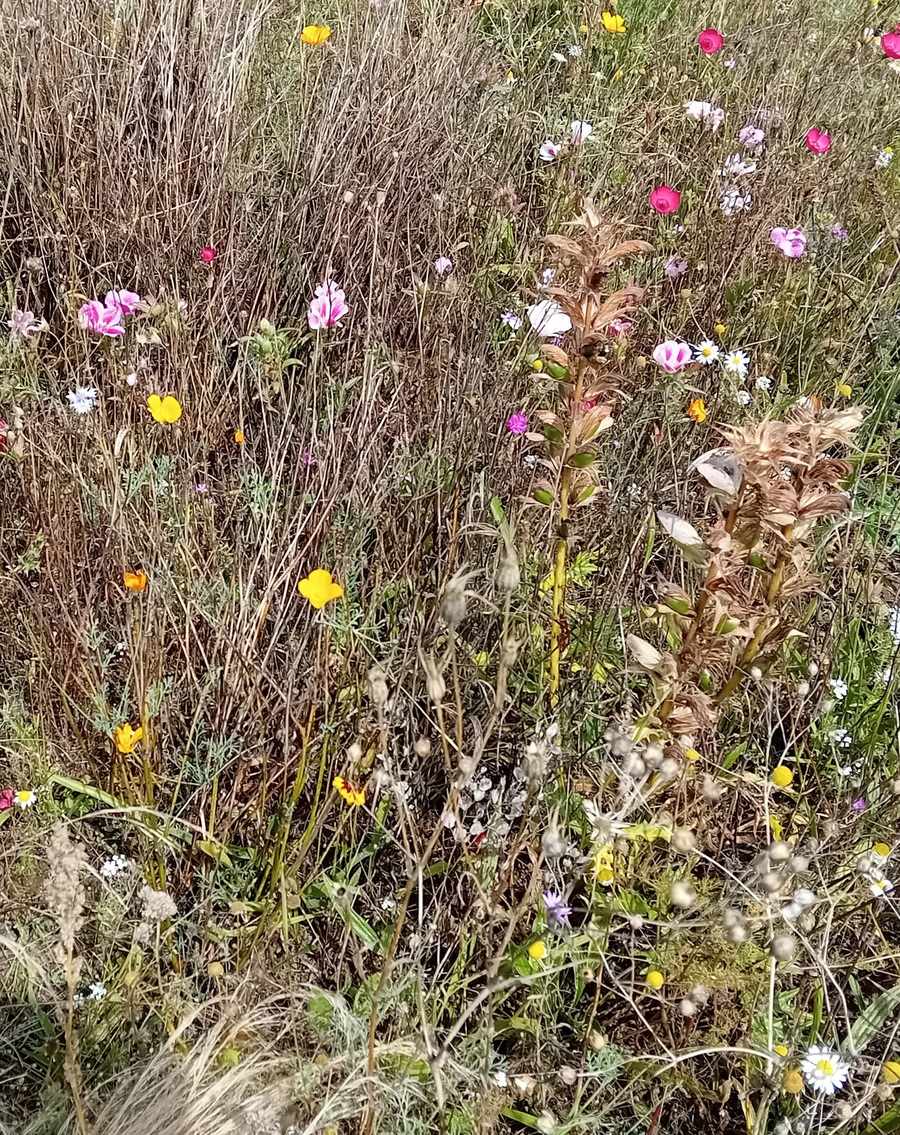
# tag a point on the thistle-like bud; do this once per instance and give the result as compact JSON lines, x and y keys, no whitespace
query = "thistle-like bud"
{"x":434,"y":681}
{"x":452,"y":606}
{"x":508,"y":576}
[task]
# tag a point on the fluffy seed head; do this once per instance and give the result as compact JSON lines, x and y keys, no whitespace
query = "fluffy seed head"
{"x":683,"y":840}
{"x":684,"y":895}
{"x":783,"y":947}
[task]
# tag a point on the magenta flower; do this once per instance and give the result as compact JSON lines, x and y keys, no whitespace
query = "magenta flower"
{"x":621,"y":327}
{"x":665,"y":199}
{"x":517,"y":423}
{"x":817,"y":142}
{"x":127,"y":302}
{"x":328,"y":307}
{"x":101,"y":318}
{"x":792,"y":242}
{"x":672,"y":355}
{"x":676,"y":266}
{"x":7,"y":797}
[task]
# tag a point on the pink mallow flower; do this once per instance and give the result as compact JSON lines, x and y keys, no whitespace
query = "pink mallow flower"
{"x":621,"y":327}
{"x":127,"y":302}
{"x":792,"y":242}
{"x":101,"y":319}
{"x":517,"y":424}
{"x":665,"y":199}
{"x":752,"y":137}
{"x":817,"y":142}
{"x":328,"y":308}
{"x":672,"y":355}
{"x":7,"y":798}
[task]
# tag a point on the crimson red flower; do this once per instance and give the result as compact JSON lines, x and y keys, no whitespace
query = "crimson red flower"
{"x":3,"y":436}
{"x":817,"y":142}
{"x":207,"y":255}
{"x":891,"y":44}
{"x":664,"y":199}
{"x":710,"y":41}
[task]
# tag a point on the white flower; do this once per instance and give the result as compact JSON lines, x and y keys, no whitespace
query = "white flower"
{"x":733,"y":201}
{"x":547,"y":318}
{"x":886,"y":675}
{"x":841,"y":737}
{"x":736,"y":166}
{"x":500,"y":1079}
{"x":25,"y":323}
{"x":548,"y":275}
{"x":752,"y":137}
{"x":96,"y":991}
{"x":549,"y":151}
{"x":558,"y":57}
{"x":83,"y":399}
{"x":581,"y":131}
{"x":742,"y":397}
{"x":729,"y":64}
{"x":884,"y":158}
{"x":737,"y":362}
{"x":705,"y":112}
{"x":443,"y":265}
{"x":894,"y":624}
{"x":575,"y":50}
{"x":763,"y":382}
{"x":838,"y":688}
{"x":512,"y":321}
{"x":879,"y":885}
{"x":706,"y":352}
{"x":823,"y":1069}
{"x":25,"y":798}
{"x":114,"y":866}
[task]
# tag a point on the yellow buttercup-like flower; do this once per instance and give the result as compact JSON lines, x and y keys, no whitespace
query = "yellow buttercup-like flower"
{"x":127,"y":738}
{"x":536,"y":951}
{"x":613,"y":22}
{"x":166,"y":409}
{"x":319,"y":588}
{"x":782,"y":776}
{"x":134,"y":580}
{"x":354,"y":794}
{"x":314,"y":34}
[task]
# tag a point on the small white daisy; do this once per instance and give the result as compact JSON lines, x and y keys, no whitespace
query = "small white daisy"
{"x":884,"y":158}
{"x":706,"y":352}
{"x":83,"y":399}
{"x":763,"y":382}
{"x":838,"y":688}
{"x":25,"y":798}
{"x":737,"y":362}
{"x":824,"y":1069}
{"x":742,"y":397}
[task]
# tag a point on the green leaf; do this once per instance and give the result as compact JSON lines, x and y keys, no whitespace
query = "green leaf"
{"x":215,"y":850}
{"x":552,"y":434}
{"x":867,"y":1025}
{"x":497,"y":512}
{"x":520,"y":1117}
{"x":543,"y":496}
{"x":582,"y":460}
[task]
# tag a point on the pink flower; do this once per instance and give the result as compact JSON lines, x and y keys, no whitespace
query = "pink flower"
{"x":752,"y":137}
{"x":581,"y":131}
{"x":7,"y":797}
{"x":4,"y":436}
{"x":817,"y":142}
{"x":890,"y":44}
{"x":664,"y":199}
{"x":517,"y":424}
{"x":676,"y":266}
{"x":621,"y":327}
{"x":208,"y":254}
{"x":443,"y":265}
{"x":103,"y":320}
{"x":328,"y":307}
{"x":126,"y":302}
{"x":710,"y":41}
{"x":792,"y":242}
{"x":672,"y":356}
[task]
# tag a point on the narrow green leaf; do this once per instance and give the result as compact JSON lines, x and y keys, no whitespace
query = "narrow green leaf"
{"x":867,"y":1025}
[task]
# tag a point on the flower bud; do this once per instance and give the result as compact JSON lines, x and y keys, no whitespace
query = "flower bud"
{"x":452,"y":606}
{"x":508,"y":576}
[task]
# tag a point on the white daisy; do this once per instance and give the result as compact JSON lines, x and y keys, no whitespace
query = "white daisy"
{"x":25,"y":798}
{"x":83,"y":399}
{"x":824,"y":1069}
{"x":706,"y":352}
{"x":884,"y":158}
{"x":737,"y":362}
{"x":575,"y":50}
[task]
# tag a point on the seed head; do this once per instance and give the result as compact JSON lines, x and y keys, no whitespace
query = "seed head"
{"x":508,"y":576}
{"x":783,"y":947}
{"x":683,"y":840}
{"x":422,"y":747}
{"x":699,"y":994}
{"x":452,"y":606}
{"x":779,"y":851}
{"x":684,"y":894}
{"x":378,"y":687}
{"x":686,"y":1007}
{"x":434,"y":681}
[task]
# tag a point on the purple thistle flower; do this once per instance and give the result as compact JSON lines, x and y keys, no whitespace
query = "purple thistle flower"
{"x":517,"y":424}
{"x":558,"y":910}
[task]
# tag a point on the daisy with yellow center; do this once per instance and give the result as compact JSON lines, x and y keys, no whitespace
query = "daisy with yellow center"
{"x":25,"y":798}
{"x":824,"y":1070}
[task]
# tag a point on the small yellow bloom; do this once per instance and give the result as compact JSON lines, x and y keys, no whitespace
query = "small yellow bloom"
{"x":720,"y":328}
{"x":655,"y":979}
{"x":167,"y":410}
{"x":613,"y":22}
{"x":353,"y":793}
{"x":697,"y":411}
{"x":239,"y":437}
{"x":215,"y":969}
{"x":781,"y":1049}
{"x":319,"y":588}
{"x":845,"y":388}
{"x":134,"y":580}
{"x":537,"y":950}
{"x":314,"y":34}
{"x":584,"y":29}
{"x":782,"y":776}
{"x":618,"y":75}
{"x":793,"y":1081}
{"x":538,"y":364}
{"x":882,"y":849}
{"x":890,"y":1072}
{"x":127,"y":738}
{"x":691,"y":755}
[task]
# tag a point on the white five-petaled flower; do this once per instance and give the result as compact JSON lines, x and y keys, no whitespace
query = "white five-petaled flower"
{"x":547,"y":318}
{"x":733,"y":201}
{"x":737,"y":362}
{"x":581,"y":131}
{"x":705,"y":112}
{"x":549,"y":151}
{"x":25,"y":797}
{"x":83,"y":399}
{"x":443,"y":265}
{"x":824,"y":1069}
{"x":706,"y":352}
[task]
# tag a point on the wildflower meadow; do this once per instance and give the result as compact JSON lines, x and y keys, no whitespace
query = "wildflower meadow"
{"x":450,"y":568}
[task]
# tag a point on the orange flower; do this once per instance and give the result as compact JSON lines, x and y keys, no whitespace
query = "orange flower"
{"x":126,"y":737}
{"x":354,"y":794}
{"x":697,"y":410}
{"x":314,"y":34}
{"x":239,"y":437}
{"x":135,"y":580}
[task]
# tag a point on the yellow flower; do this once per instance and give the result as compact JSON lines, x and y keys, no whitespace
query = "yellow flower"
{"x":537,"y":950}
{"x":882,"y":849}
{"x":613,"y":22}
{"x":354,"y":794}
{"x":655,"y":979}
{"x":720,"y":329}
{"x":697,"y":411}
{"x":127,"y":738}
{"x":538,"y":364}
{"x":845,"y":388}
{"x":793,"y":1081}
{"x":134,"y":580}
{"x":166,"y":409}
{"x":314,"y":34}
{"x":319,"y":588}
{"x":584,"y":29}
{"x":691,"y":755}
{"x":782,"y":776}
{"x":618,"y":75}
{"x":239,"y":437}
{"x":890,"y":1072}
{"x":781,"y":1049}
